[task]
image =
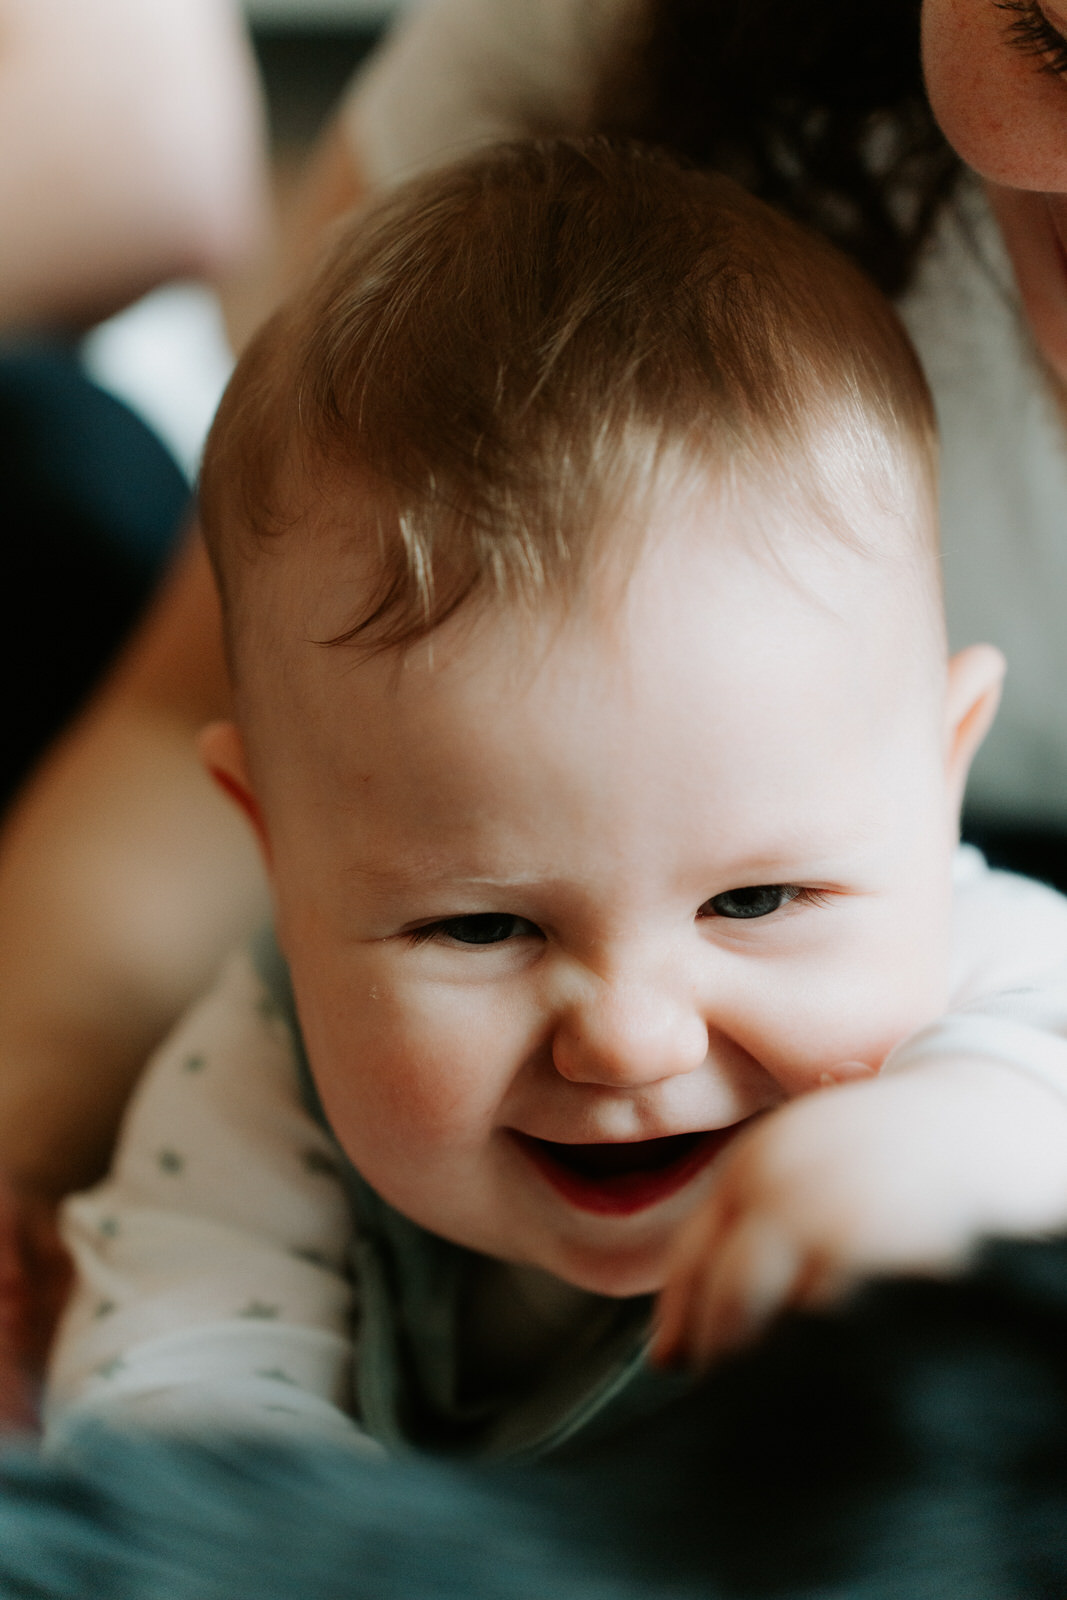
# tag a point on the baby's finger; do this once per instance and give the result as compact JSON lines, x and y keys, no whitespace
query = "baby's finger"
{"x":823,"y":1279}
{"x":665,"y":1345}
{"x":672,"y":1315}
{"x":753,"y":1277}
{"x":691,"y":1256}
{"x":846,"y":1072}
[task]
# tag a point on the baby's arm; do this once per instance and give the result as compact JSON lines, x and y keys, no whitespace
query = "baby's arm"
{"x":963,"y":1134}
{"x":211,"y":1264}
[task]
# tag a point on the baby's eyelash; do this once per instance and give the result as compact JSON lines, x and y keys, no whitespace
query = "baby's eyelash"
{"x":428,"y":931}
{"x":813,"y":897}
{"x":1030,"y":31}
{"x":748,"y":909}
{"x":482,"y":928}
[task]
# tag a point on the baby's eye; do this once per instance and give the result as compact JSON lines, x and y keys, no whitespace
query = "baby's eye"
{"x":759,"y":901}
{"x":480,"y":927}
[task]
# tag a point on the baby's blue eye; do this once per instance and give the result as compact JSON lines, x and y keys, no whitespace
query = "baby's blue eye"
{"x":482,"y":927}
{"x":758,"y":901}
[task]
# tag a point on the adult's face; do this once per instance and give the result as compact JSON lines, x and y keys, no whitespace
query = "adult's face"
{"x":997,"y":78}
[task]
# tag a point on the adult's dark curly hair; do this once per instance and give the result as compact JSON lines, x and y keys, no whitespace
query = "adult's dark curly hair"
{"x":817,"y":106}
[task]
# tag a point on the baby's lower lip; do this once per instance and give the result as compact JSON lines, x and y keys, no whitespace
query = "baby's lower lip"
{"x":618,"y":1179}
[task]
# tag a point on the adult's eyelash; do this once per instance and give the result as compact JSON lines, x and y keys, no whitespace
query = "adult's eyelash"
{"x":1031,"y":32}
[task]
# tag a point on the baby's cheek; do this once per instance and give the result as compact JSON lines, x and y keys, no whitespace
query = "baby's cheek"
{"x":414,"y":1072}
{"x":840,"y":1019}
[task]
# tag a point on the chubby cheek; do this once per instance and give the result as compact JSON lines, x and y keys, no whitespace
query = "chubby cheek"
{"x":406,"y":1078}
{"x":853,"y":1005}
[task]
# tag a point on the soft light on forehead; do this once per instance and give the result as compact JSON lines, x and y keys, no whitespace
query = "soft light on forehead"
{"x":841,"y":550}
{"x":842,"y":480}
{"x":736,"y":608}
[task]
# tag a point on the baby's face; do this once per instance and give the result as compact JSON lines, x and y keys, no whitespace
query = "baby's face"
{"x":568,"y":902}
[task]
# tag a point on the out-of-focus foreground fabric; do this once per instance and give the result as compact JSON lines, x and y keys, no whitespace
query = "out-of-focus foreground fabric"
{"x":910,"y":1447}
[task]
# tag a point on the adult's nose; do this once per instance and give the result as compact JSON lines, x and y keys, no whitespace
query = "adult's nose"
{"x":625,"y":1035}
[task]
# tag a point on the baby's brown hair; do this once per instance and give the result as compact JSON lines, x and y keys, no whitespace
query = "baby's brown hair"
{"x":498,"y":356}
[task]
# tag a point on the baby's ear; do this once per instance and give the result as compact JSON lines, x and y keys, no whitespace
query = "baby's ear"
{"x":975,"y":677}
{"x":222,"y":752}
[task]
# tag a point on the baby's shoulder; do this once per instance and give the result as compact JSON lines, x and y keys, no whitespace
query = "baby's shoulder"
{"x":219,"y":1123}
{"x":1009,"y":931}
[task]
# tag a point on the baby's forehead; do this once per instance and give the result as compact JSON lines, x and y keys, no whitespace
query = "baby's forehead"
{"x":843,"y":545}
{"x":706,"y":546}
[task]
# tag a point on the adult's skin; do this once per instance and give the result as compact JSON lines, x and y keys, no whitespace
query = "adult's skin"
{"x":121,"y":820}
{"x":149,"y":165}
{"x":1004,"y":109}
{"x":130,"y":152}
{"x":124,"y":875}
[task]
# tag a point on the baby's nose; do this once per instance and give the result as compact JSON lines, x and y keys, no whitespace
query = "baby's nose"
{"x":625,"y":1036}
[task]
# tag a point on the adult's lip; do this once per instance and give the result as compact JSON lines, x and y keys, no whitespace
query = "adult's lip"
{"x":618,"y":1179}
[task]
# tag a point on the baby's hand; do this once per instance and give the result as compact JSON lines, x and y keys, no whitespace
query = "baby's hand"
{"x":894,"y":1174}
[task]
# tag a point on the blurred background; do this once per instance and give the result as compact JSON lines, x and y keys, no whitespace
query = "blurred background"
{"x":168,"y":356}
{"x":306,"y":49}
{"x":102,"y":422}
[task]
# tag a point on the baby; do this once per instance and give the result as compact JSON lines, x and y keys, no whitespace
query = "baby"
{"x":576,"y":532}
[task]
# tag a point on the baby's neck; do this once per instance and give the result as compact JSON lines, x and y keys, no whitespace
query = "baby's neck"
{"x":515,"y":1323}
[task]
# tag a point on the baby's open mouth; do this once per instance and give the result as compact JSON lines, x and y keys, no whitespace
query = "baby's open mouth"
{"x":615,"y":1179}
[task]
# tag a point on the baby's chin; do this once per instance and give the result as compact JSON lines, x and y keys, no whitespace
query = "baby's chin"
{"x":620,"y":1274}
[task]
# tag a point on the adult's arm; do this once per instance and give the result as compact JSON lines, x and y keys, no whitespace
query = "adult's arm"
{"x":124,"y":877}
{"x":130,"y":151}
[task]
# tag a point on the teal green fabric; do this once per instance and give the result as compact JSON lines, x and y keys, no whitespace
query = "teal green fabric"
{"x":412,"y":1285}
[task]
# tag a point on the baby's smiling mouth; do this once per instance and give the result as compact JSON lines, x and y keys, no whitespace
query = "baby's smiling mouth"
{"x":618,"y":1179}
